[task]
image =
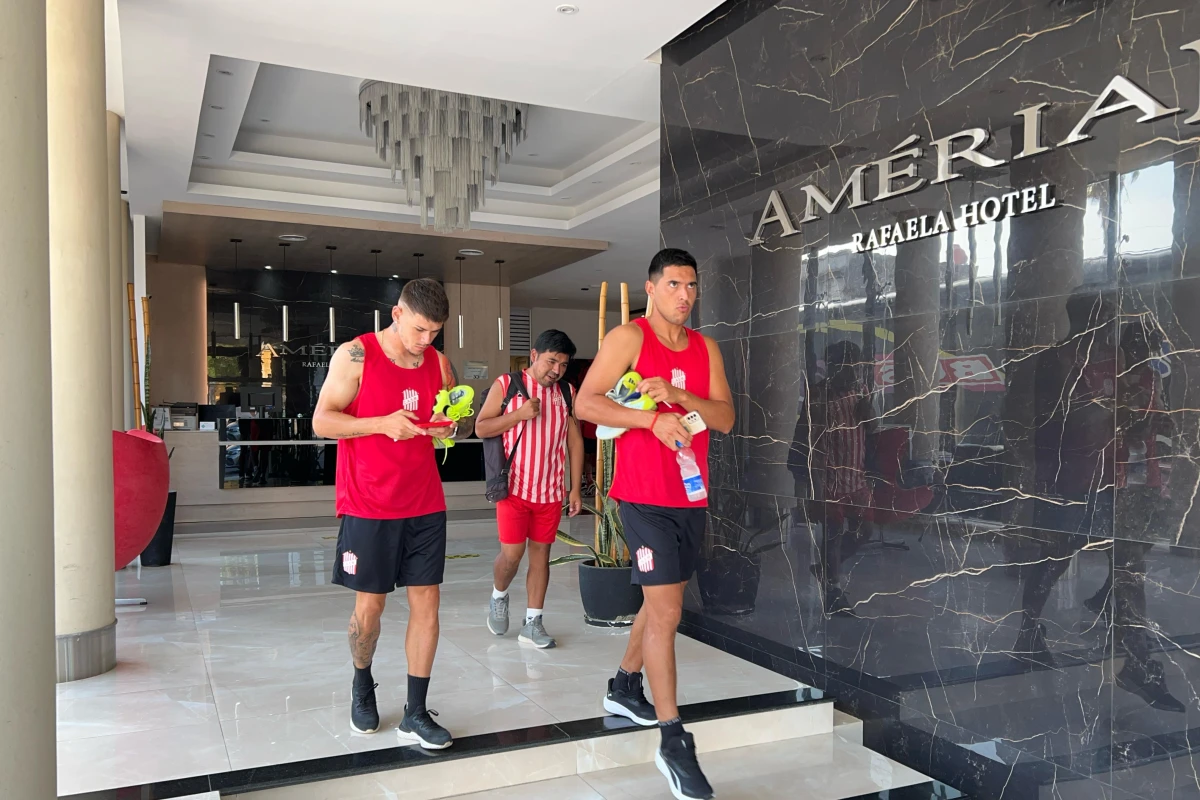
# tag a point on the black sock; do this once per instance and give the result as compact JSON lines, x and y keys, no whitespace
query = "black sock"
{"x":671,"y":730}
{"x":362,"y":677}
{"x":621,"y":683}
{"x":418,"y":688}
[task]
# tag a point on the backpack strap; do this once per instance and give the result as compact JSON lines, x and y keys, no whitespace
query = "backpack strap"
{"x":566,"y":390}
{"x":516,"y":386}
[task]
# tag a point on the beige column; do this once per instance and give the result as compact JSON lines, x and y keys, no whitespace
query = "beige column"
{"x":1045,"y":265}
{"x":27,"y":757}
{"x":118,"y":331}
{"x":79,"y":343}
{"x":918,"y":293}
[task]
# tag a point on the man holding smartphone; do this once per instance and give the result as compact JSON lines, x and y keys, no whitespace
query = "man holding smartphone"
{"x":380,"y":389}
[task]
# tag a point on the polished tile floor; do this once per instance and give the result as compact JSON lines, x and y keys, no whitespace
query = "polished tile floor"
{"x":240,"y":660}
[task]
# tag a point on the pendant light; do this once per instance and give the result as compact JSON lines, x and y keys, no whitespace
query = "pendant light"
{"x":500,"y":303}
{"x":332,"y":319}
{"x":460,"y":259}
{"x":376,"y":254}
{"x":418,"y":257}
{"x":285,"y":246}
{"x":237,"y":307}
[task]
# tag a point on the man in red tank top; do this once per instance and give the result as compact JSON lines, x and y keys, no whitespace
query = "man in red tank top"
{"x":381,"y":387}
{"x":683,"y":372}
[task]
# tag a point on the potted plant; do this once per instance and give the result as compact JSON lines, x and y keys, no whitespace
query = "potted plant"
{"x":158,"y":552}
{"x":606,"y":587}
{"x":731,"y":569}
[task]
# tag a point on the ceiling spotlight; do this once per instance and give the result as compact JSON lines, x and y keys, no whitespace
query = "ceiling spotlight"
{"x":583,"y":289}
{"x":396,"y":277}
{"x":217,"y":108}
{"x":209,"y":135}
{"x":634,"y":163}
{"x":334,"y":271}
{"x":594,"y":182}
{"x":470,"y":251}
{"x":568,"y":9}
{"x":204,"y":158}
{"x":566,"y":197}
{"x":293,"y":237}
{"x":264,"y":120}
{"x":268,"y":266}
{"x":224,"y":72}
{"x":533,"y":155}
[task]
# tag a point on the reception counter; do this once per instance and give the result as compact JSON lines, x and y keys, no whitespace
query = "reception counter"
{"x":275,"y":476}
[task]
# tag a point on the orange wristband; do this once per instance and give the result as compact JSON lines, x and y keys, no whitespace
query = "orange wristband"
{"x":657,"y":414}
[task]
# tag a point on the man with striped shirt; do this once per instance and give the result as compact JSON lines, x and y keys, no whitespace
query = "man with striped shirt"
{"x":539,"y":423}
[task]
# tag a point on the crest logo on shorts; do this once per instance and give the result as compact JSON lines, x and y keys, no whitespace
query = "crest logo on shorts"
{"x":645,"y":559}
{"x":679,"y":379}
{"x":411,"y":399}
{"x":349,"y":563}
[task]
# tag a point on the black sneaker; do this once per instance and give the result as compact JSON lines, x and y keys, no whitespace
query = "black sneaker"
{"x":631,"y":703}
{"x":676,"y":759}
{"x":1148,"y":681}
{"x":420,"y":727}
{"x":364,"y":714}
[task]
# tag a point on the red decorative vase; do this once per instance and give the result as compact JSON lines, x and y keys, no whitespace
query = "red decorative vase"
{"x":141,"y":479}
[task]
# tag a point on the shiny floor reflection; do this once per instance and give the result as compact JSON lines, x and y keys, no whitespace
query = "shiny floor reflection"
{"x":240,"y":660}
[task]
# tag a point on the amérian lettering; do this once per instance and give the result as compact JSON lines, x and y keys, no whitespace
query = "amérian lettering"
{"x":896,"y":174}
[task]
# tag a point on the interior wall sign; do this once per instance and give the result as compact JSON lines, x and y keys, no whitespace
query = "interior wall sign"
{"x":896,"y":173}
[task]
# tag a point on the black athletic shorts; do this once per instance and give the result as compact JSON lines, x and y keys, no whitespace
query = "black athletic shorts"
{"x":664,"y":542}
{"x":379,"y":555}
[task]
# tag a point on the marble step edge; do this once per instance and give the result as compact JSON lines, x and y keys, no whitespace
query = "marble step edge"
{"x":802,"y":711}
{"x":439,"y":778}
{"x":848,"y":727}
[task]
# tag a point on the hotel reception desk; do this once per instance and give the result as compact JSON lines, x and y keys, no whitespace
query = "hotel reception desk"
{"x":258,"y":469}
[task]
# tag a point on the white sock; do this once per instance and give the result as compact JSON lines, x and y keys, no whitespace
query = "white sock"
{"x":531,"y":614}
{"x":497,"y":594}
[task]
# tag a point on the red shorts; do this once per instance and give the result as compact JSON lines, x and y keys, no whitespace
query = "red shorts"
{"x":519,"y":520}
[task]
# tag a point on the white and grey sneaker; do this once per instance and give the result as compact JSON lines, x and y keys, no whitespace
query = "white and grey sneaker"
{"x":534,"y":633}
{"x":497,"y":621}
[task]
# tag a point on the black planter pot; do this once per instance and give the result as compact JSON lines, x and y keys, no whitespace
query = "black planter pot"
{"x":609,"y":600}
{"x":158,"y":552}
{"x":729,"y":582}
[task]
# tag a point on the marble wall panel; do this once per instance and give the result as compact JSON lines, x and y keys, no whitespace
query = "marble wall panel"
{"x":998,"y":577}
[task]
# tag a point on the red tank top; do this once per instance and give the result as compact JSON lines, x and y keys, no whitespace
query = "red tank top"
{"x":645,"y":471}
{"x":376,"y":477}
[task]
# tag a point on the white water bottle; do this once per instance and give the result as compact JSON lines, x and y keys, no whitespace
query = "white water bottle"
{"x":689,"y":470}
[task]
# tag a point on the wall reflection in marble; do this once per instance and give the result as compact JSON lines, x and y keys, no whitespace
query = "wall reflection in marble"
{"x":961,"y":492}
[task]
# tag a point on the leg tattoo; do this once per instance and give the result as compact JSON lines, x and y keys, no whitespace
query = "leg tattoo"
{"x":364,"y":636}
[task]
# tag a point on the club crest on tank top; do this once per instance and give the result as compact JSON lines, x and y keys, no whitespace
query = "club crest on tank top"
{"x":646,"y":471}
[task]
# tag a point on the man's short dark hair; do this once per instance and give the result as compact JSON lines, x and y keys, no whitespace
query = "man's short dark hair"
{"x":669,"y":257}
{"x":426,"y":297}
{"x":552,"y":341}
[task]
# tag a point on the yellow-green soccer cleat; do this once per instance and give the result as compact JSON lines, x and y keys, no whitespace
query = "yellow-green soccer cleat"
{"x":456,"y":403}
{"x":625,"y":393}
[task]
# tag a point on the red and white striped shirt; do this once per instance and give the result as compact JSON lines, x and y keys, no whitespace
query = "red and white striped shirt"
{"x":537,"y":474}
{"x":845,"y":447}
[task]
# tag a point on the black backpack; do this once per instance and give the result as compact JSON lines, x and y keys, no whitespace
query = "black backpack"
{"x":496,"y":465}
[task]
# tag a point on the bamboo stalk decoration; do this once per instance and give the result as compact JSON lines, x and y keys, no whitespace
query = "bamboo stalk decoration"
{"x":133,"y":357}
{"x":601,"y":489}
{"x":149,"y":357}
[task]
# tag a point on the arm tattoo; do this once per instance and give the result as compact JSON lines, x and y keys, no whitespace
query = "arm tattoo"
{"x":357,"y":354}
{"x":362,"y":642}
